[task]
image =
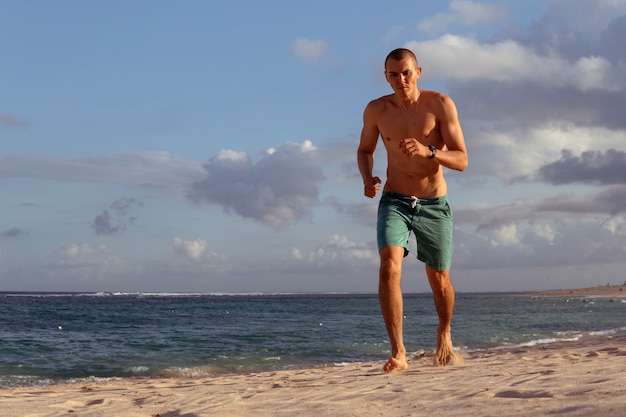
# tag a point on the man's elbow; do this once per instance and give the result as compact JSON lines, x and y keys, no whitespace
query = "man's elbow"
{"x":462,"y":164}
{"x":364,"y":153}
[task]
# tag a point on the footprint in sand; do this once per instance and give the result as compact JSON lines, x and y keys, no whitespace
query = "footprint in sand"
{"x":524,"y":394}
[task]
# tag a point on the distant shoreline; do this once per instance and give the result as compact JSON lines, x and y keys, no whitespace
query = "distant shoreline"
{"x":600,"y":291}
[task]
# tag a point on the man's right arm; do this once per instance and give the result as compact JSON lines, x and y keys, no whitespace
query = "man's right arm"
{"x":367,"y":148}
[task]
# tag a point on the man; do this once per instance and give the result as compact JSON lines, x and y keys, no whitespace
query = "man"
{"x":422,"y":134}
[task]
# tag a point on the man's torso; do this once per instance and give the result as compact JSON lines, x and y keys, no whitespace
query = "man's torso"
{"x":405,"y":175}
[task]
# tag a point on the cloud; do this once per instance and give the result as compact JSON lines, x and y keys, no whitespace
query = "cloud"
{"x":191,"y":249}
{"x":612,"y":37}
{"x":278,"y":190}
{"x":574,"y":27}
{"x":13,"y":233}
{"x":563,"y":71}
{"x":83,"y":267}
{"x":196,"y":250}
{"x":75,"y":251}
{"x":591,"y":167}
{"x":462,"y":12}
{"x":338,"y":249}
{"x":117,"y":218}
{"x":309,"y":50}
{"x":84,"y":255}
{"x":158,"y":170}
{"x":532,"y":91}
{"x":609,"y":201}
{"x":8,"y":120}
{"x":508,"y":61}
{"x":606,"y":202}
{"x":511,"y":153}
{"x":588,"y":240}
{"x":319,"y":267}
{"x":363,"y":213}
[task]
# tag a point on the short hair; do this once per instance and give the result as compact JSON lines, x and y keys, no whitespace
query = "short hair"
{"x":399,"y":54}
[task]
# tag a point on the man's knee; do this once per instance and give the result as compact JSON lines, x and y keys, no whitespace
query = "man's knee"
{"x":440,"y":282}
{"x":390,"y":269}
{"x":390,"y":264}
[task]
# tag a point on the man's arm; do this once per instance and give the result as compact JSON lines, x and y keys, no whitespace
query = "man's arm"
{"x":452,"y":154}
{"x":452,"y":134}
{"x":367,"y":148}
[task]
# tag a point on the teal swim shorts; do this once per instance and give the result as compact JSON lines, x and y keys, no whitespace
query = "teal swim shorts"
{"x":430,"y":219}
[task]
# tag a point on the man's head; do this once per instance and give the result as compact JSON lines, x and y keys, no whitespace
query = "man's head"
{"x":400,"y":54}
{"x":402,"y":71}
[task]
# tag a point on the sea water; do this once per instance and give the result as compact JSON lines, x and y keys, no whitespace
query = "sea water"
{"x":56,"y":338}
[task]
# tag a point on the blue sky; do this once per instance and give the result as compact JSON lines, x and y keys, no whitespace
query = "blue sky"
{"x":204,"y":146}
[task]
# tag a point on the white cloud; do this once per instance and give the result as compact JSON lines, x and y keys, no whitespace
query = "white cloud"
{"x":616,"y":225}
{"x":465,"y":59}
{"x":594,"y":207}
{"x":500,"y":153}
{"x":196,"y":250}
{"x":278,"y":190}
{"x":545,"y":232}
{"x":338,"y":249}
{"x":557,"y":243}
{"x":230,"y":155}
{"x":463,"y":12}
{"x":505,"y":235}
{"x":306,"y":146}
{"x":87,"y":257}
{"x":192,"y":249}
{"x":81,"y":251}
{"x":309,"y":50}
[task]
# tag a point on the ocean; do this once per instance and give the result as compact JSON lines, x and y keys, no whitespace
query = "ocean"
{"x":68,"y":337}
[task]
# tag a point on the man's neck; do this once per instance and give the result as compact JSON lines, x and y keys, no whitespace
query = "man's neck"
{"x":408,"y":100}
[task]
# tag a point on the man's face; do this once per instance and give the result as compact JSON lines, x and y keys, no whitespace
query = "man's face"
{"x":402,"y":75}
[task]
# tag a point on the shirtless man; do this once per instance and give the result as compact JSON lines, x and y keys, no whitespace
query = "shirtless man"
{"x":422,"y":134}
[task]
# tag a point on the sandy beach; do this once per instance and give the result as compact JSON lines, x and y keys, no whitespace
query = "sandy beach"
{"x":577,"y":378}
{"x":584,"y":378}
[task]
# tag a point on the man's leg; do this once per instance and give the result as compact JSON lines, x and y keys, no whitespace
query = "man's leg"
{"x":390,"y":296}
{"x":443,"y":293}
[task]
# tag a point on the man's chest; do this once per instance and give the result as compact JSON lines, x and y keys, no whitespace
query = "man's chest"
{"x":395,"y":126}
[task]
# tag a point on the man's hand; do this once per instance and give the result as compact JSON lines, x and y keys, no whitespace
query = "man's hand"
{"x":412,"y":147}
{"x":372,"y":187}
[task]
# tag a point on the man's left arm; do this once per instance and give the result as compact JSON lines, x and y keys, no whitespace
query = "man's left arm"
{"x":450,"y":128}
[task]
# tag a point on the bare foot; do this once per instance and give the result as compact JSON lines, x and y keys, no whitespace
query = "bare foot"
{"x":446,"y":357}
{"x":395,"y":365}
{"x":445,"y":354}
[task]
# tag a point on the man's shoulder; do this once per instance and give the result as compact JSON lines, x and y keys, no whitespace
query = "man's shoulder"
{"x":378,"y":105}
{"x":437,"y":102}
{"x":434,"y":95}
{"x":381,"y":101}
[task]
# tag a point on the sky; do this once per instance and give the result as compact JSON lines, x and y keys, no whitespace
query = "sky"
{"x":210,"y":147}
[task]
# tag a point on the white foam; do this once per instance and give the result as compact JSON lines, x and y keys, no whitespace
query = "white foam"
{"x":138,"y":369}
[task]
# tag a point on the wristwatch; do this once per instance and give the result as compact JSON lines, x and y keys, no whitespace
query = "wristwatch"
{"x":433,"y":151}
